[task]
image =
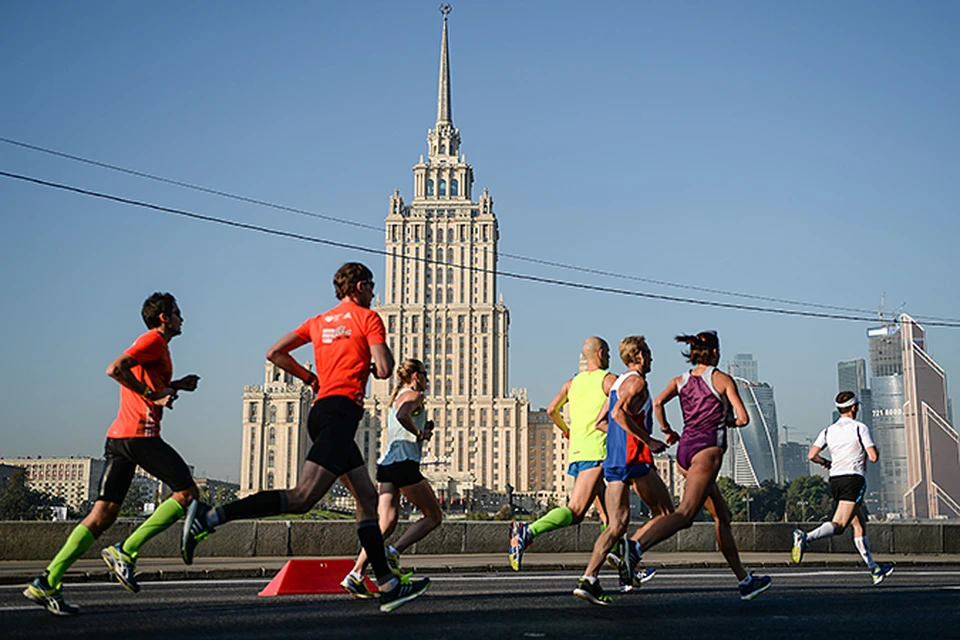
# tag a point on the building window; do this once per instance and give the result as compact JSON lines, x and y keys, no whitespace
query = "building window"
{"x":290,"y":412}
{"x":442,"y":191}
{"x":273,"y":413}
{"x":252,"y":417}
{"x":439,"y":235}
{"x":270,"y":458}
{"x":454,"y":187}
{"x":270,"y":480}
{"x":273,"y":438}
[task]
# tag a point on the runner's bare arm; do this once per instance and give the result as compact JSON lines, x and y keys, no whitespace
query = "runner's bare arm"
{"x":405,"y":411}
{"x":553,"y":409}
{"x":668,"y":394}
{"x":382,"y":365}
{"x":601,"y":423}
{"x":630,"y":389}
{"x":725,"y":386}
{"x":119,"y":370}
{"x":186,"y":383}
{"x":279,"y":354}
{"x":608,"y":382}
{"x":814,"y":456}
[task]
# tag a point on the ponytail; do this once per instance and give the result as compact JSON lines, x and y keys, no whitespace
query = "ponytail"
{"x":701,"y":345}
{"x":405,"y":373}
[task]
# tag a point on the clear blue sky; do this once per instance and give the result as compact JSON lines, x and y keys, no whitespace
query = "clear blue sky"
{"x":807,"y":150}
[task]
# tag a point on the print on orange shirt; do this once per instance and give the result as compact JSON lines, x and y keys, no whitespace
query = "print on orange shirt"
{"x":341,"y":341}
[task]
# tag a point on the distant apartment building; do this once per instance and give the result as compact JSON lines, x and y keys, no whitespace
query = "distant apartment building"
{"x":754,"y":449}
{"x":75,"y":480}
{"x":547,"y":451}
{"x":793,"y":461}
{"x":274,"y":432}
{"x":932,"y":444}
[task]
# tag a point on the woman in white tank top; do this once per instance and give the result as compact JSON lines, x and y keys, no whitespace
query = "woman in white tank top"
{"x":398,"y":472}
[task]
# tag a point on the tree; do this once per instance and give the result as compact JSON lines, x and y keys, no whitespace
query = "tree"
{"x":808,"y":499}
{"x":19,"y":502}
{"x":766,"y":501}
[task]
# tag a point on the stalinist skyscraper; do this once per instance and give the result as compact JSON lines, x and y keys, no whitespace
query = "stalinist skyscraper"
{"x":438,"y":298}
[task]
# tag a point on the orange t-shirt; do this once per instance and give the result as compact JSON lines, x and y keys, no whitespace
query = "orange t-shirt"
{"x":138,"y":417}
{"x":341,"y":341}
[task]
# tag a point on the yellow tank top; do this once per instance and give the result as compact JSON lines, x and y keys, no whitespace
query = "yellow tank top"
{"x":586,"y":398}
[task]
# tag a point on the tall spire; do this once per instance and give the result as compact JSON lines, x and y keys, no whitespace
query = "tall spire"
{"x":444,"y":107}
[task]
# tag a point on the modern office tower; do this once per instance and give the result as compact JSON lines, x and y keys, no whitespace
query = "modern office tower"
{"x":793,"y":461}
{"x":933,"y":445}
{"x":439,"y":301}
{"x":852,"y":375}
{"x":744,"y":366}
{"x":754,"y":448}
{"x":76,"y":480}
{"x":275,"y":440}
{"x":887,"y":427}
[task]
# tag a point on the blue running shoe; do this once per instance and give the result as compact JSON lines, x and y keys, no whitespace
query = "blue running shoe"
{"x":799,"y":546}
{"x":122,"y":565}
{"x":878,"y":573}
{"x":51,"y":599}
{"x":520,"y":539}
{"x":754,"y":586}
{"x":642,"y":576}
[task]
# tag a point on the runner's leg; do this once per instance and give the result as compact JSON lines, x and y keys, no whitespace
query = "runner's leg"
{"x":617,"y":500}
{"x":422,"y":496}
{"x":718,"y":508}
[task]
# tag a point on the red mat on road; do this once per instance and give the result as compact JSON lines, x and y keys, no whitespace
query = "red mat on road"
{"x":299,"y":577}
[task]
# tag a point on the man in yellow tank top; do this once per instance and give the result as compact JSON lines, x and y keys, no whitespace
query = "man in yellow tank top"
{"x":587,"y":393}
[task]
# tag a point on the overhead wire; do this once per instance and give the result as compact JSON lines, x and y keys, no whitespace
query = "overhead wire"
{"x":472,"y":268}
{"x":503,"y":254}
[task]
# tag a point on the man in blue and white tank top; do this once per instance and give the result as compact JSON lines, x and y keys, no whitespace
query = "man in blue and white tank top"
{"x":850,"y":445}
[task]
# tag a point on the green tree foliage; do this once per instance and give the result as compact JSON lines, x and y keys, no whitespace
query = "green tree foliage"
{"x":19,"y":502}
{"x":766,"y":501}
{"x":809,"y":500}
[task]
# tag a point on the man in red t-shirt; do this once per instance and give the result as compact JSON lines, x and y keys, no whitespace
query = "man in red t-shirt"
{"x":344,"y":339}
{"x":145,"y":374}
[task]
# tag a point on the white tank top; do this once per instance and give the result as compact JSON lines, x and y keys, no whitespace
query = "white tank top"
{"x":402,"y":446}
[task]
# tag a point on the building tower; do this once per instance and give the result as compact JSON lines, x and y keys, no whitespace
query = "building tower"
{"x":440,"y":304}
{"x":744,"y":366}
{"x":755,"y":447}
{"x":886,"y":421}
{"x":275,"y":439}
{"x":933,"y":446}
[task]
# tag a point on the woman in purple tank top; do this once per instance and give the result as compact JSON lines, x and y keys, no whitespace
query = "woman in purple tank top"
{"x":707,"y":396}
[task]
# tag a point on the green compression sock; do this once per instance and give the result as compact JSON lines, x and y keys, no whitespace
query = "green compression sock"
{"x":603,"y":527}
{"x":77,"y":543}
{"x":556,"y":519}
{"x":166,"y":514}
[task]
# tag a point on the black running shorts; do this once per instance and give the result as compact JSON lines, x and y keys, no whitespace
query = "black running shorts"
{"x":332,"y":426}
{"x":848,"y":488}
{"x":400,"y":474}
{"x":153,"y":455}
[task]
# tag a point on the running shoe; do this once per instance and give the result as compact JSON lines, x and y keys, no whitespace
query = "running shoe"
{"x":195,"y":529}
{"x":628,"y":565}
{"x":393,"y":559}
{"x":122,"y":565}
{"x":592,"y":592}
{"x":878,"y":573}
{"x":401,"y":593}
{"x":754,"y":586}
{"x":641,"y":576}
{"x":357,"y":587}
{"x":799,"y":546}
{"x":520,"y":539}
{"x":614,"y":555}
{"x":49,"y":598}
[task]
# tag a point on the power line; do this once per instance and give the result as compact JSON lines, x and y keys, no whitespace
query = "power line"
{"x":361,"y":225}
{"x":473,"y":269}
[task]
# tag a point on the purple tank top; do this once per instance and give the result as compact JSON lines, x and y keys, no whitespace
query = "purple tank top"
{"x":704,"y":414}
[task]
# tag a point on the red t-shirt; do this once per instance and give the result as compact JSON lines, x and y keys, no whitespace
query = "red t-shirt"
{"x":341,"y":339}
{"x":138,"y":417}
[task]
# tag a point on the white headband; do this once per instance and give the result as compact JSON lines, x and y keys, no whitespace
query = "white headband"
{"x":849,"y":403}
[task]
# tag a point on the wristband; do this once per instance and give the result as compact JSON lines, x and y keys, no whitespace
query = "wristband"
{"x":310,"y":379}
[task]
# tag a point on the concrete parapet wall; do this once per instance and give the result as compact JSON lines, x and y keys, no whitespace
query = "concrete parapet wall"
{"x":300,"y":538}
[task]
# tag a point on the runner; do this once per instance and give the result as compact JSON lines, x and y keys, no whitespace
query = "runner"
{"x":707,"y":397}
{"x":344,"y":340}
{"x":629,"y":462}
{"x":398,"y":472}
{"x":850,"y":446}
{"x":144,"y":372}
{"x":586,"y":393}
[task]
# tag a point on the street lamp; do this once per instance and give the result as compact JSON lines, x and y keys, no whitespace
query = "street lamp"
{"x":747,"y":500}
{"x":803,"y":509}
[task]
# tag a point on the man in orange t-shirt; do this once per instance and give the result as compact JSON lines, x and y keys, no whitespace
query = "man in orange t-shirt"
{"x":144,"y":372}
{"x":344,"y":339}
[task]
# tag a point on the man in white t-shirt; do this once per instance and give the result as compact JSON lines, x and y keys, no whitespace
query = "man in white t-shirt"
{"x":850,"y":445}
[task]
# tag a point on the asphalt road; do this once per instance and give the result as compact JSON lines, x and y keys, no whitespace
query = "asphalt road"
{"x":914,"y":602}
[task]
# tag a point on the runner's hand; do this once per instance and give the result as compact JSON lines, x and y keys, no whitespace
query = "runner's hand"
{"x":656,"y":446}
{"x":163,"y":398}
{"x":672,"y":437}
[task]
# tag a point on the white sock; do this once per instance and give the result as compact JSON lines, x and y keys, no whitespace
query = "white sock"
{"x":863,"y":546}
{"x":823,"y":531}
{"x":746,"y":580}
{"x":591,"y":579}
{"x":356,"y":575}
